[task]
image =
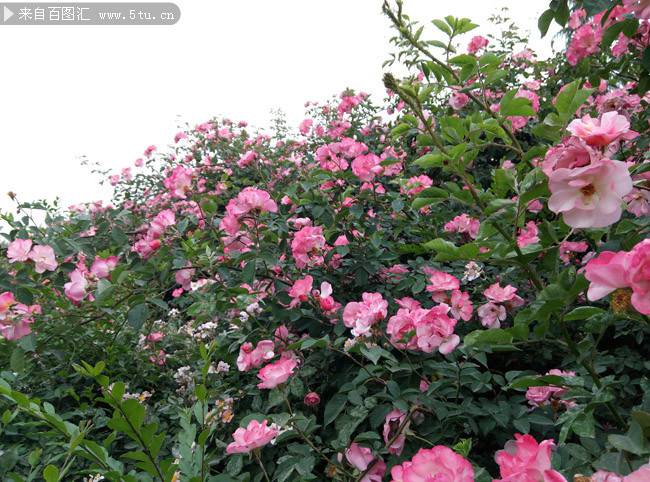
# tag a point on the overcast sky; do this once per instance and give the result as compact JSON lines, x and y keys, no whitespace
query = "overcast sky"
{"x":108,"y":92}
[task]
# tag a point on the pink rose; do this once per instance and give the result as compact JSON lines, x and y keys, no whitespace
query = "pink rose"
{"x":590,"y":196}
{"x":307,"y":245}
{"x":523,"y":460}
{"x":18,"y":250}
{"x":312,"y":399}
{"x":300,"y":291}
{"x":394,"y":420}
{"x":610,"y":127}
{"x":75,"y":289}
{"x":250,"y":357}
{"x":458,"y":100}
{"x":360,"y":316}
{"x":43,"y":257}
{"x":606,"y":272}
{"x":639,"y":276}
{"x":477,"y":43}
{"x":276,"y":373}
{"x":437,"y":463}
{"x":366,"y":166}
{"x":102,"y":267}
{"x":254,"y":436}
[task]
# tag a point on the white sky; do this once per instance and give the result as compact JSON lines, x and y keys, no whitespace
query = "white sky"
{"x":109,"y":92}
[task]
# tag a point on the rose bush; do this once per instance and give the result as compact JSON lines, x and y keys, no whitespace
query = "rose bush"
{"x":453,"y":286}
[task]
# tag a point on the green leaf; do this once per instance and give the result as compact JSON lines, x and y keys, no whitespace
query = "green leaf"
{"x":545,"y":20}
{"x":583,"y":312}
{"x":138,"y":315}
{"x":51,"y":473}
{"x":429,"y":160}
{"x":515,"y":106}
{"x":570,"y":99}
{"x":334,"y":407}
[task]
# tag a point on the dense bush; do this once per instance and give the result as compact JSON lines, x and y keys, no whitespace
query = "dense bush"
{"x":391,"y":293}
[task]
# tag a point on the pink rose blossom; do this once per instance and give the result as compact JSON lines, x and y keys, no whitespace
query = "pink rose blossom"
{"x":179,"y":181}
{"x":18,"y":250}
{"x":491,"y":315}
{"x":571,"y":153}
{"x":359,"y":457}
{"x":477,"y":43}
{"x":600,"y":132}
{"x":307,"y":246}
{"x":639,"y":276}
{"x":361,"y":316}
{"x":102,"y":267}
{"x":590,"y":196}
{"x":438,"y":463}
{"x":461,"y":305}
{"x":366,"y":166}
{"x":276,"y":373}
{"x":441,"y":282}
{"x":458,"y":100}
{"x":254,"y":436}
{"x":75,"y":289}
{"x":43,"y":257}
{"x":641,"y":9}
{"x":300,"y":291}
{"x":311,"y":399}
{"x":394,"y":420}
{"x":250,"y":357}
{"x":435,"y":331}
{"x":528,"y":235}
{"x":463,"y":224}
{"x":524,"y":460}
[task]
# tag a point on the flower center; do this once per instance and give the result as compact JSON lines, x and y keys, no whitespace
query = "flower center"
{"x":588,"y":190}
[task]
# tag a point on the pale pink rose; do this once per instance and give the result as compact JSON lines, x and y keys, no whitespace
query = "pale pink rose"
{"x":585,"y":41}
{"x":102,"y":267}
{"x":461,"y":305}
{"x":599,"y":132}
{"x":307,"y":246}
{"x":458,"y":100}
{"x":394,"y":420}
{"x":254,"y":436}
{"x":6,"y":301}
{"x":638,"y":202}
{"x":639,"y":276}
{"x":276,"y":373}
{"x":179,"y":182}
{"x":359,"y":457}
{"x":498,"y":294}
{"x":311,"y":399}
{"x":18,"y":250}
{"x":463,"y":224}
{"x":440,"y":283}
{"x":491,"y":315}
{"x":524,"y":460}
{"x":590,"y":196}
{"x":642,"y":474}
{"x":528,"y":235}
{"x":569,"y":247}
{"x":401,"y":327}
{"x":438,"y":463}
{"x":417,"y":184}
{"x":300,"y":291}
{"x":43,"y":257}
{"x":604,"y":476}
{"x":184,"y":278}
{"x":572,"y":152}
{"x":250,"y":357}
{"x":361,"y":316}
{"x":75,"y":289}
{"x":477,"y":43}
{"x":607,"y":272}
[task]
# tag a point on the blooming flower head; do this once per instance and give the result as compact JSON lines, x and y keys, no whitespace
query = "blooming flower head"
{"x":179,"y":181}
{"x":366,"y":166}
{"x":307,"y":245}
{"x":463,"y":223}
{"x":300,"y":291}
{"x":18,"y":250}
{"x":570,"y":153}
{"x":43,"y":257}
{"x":102,"y":267}
{"x":458,"y":100}
{"x":276,"y":373}
{"x":599,"y":132}
{"x":528,"y":235}
{"x":392,"y":433}
{"x":250,"y":357}
{"x":525,"y":460}
{"x":438,"y":463}
{"x":590,"y":196}
{"x":75,"y":289}
{"x":435,"y":330}
{"x":360,"y":316}
{"x":477,"y":43}
{"x":254,"y":436}
{"x":607,"y":272}
{"x":441,"y":282}
{"x":639,"y":276}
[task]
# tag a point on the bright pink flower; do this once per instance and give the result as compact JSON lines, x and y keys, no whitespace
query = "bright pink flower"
{"x":393,"y":422}
{"x":528,"y":235}
{"x":639,"y":276}
{"x":461,"y":305}
{"x":6,"y":301}
{"x":441,"y":282}
{"x":184,"y":278}
{"x":247,"y":159}
{"x":307,"y":246}
{"x":491,"y":315}
{"x":599,"y":132}
{"x":102,"y":267}
{"x":305,"y":126}
{"x":401,"y":329}
{"x":250,"y":357}
{"x":43,"y":257}
{"x":424,"y":385}
{"x":477,"y":43}
{"x":18,"y":250}
{"x":366,"y":166}
{"x":417,"y":184}
{"x":541,"y":396}
{"x":254,"y":436}
{"x":312,"y":399}
{"x":361,"y":316}
{"x":585,"y":41}
{"x":524,"y":460}
{"x":325,"y":299}
{"x":590,"y":196}
{"x":252,"y":199}
{"x":508,"y":294}
{"x":438,"y":463}
{"x":458,"y":100}
{"x":179,"y":181}
{"x":435,"y":330}
{"x":607,"y":272}
{"x":75,"y":289}
{"x":276,"y":373}
{"x":300,"y":291}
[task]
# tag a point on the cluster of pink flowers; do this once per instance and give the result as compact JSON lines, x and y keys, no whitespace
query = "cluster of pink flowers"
{"x":301,"y":291}
{"x":610,"y":271}
{"x":250,"y":357}
{"x":417,"y":184}
{"x":586,"y":187}
{"x":463,"y":224}
{"x":417,"y":328}
{"x":337,"y":155}
{"x":80,"y":278}
{"x":361,"y":316}
{"x":150,"y":242}
{"x":254,"y":436}
{"x":249,"y":200}
{"x":499,"y":301}
{"x":21,"y":250}
{"x":477,"y":43}
{"x":15,"y":318}
{"x":549,"y":394}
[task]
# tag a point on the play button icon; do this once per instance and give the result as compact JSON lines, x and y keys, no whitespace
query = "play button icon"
{"x":6,"y":14}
